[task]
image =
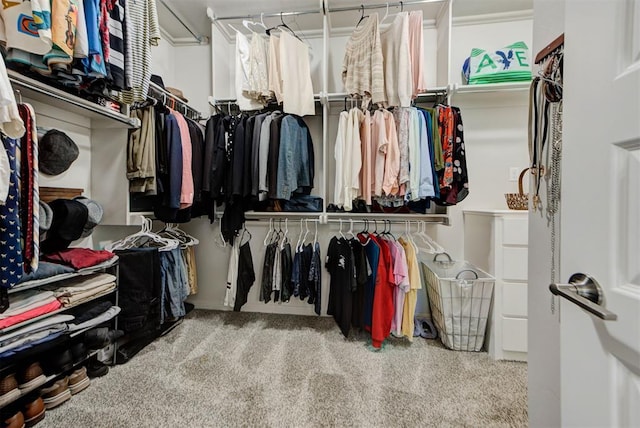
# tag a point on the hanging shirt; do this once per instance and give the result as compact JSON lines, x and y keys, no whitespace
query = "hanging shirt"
{"x":295,"y":71}
{"x":339,"y":264}
{"x":416,"y":52}
{"x":383,"y":298}
{"x":372,"y":251}
{"x":117,"y":37}
{"x":10,"y":250}
{"x":411,"y":297}
{"x":362,"y":67}
{"x":232,"y":275}
{"x":352,"y":159}
{"x":401,"y":115}
{"x":259,"y":66}
{"x":94,"y":63}
{"x":10,"y":121}
{"x":243,"y":73}
{"x":186,"y":188}
{"x":392,"y":159}
{"x":263,"y":161}
{"x":64,"y":18}
{"x":367,"y":170}
{"x":81,"y":46}
{"x":275,"y":77}
{"x":338,"y":155}
{"x":143,"y":32}
{"x":294,"y":173}
{"x":425,"y":189}
{"x":401,"y":275}
{"x":398,"y":81}
{"x":379,"y":142}
{"x":414,"y":155}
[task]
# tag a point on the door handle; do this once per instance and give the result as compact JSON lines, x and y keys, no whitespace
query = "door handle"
{"x":585,"y":292}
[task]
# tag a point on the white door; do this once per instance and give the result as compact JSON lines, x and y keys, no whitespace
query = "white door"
{"x":600,"y":211}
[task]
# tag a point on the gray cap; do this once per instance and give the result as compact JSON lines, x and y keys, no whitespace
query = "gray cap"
{"x":94,"y":217}
{"x":56,"y":152}
{"x":45,"y":216}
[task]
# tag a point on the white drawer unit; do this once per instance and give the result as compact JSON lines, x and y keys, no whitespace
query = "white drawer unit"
{"x":496,"y":241}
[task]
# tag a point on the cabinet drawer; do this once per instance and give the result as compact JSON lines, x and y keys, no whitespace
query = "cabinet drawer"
{"x":514,"y":300}
{"x":514,"y":335}
{"x":514,"y":264}
{"x":515,"y":231}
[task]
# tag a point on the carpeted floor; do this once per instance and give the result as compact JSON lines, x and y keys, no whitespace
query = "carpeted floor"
{"x":239,"y":369}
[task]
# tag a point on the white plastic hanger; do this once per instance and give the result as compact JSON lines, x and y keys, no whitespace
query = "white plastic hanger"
{"x":386,"y":15}
{"x":132,"y":241}
{"x":285,"y":235}
{"x":350,"y":231}
{"x":299,"y":237}
{"x":340,"y":231}
{"x":266,"y":238}
{"x":315,"y":236}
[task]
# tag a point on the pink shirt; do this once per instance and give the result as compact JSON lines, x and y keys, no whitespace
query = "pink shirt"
{"x":186,"y":191}
{"x":379,"y":144}
{"x":392,"y":160}
{"x":367,"y":170}
{"x":401,"y":275}
{"x":416,"y":52}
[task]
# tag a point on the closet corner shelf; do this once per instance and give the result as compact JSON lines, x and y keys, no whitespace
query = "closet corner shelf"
{"x":491,"y":88}
{"x":39,"y":91}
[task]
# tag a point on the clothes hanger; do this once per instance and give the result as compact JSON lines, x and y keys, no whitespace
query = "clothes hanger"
{"x":304,"y":238}
{"x":386,"y":14}
{"x":362,"y":17}
{"x":350,"y":231}
{"x":266,"y":238}
{"x":299,"y":236}
{"x":286,"y":233}
{"x":245,"y":231}
{"x":340,"y":231}
{"x":285,"y":26}
{"x":315,"y":236}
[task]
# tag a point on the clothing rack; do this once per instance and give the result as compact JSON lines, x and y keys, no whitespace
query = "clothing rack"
{"x":400,"y":4}
{"x":264,"y":15}
{"x":162,"y":96}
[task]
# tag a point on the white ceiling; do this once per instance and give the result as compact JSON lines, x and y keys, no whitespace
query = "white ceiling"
{"x":193,"y":12}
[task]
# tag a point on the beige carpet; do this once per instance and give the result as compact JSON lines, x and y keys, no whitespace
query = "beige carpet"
{"x":223,"y":369}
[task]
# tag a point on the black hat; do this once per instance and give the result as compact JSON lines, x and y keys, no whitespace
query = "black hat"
{"x":69,"y":219}
{"x":56,"y":152}
{"x":157,"y":80}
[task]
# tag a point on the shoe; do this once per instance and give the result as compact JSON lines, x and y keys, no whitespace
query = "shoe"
{"x":31,"y":376}
{"x":8,"y":389}
{"x":79,"y":352}
{"x":33,"y":411}
{"x":100,"y":337}
{"x":14,"y":421}
{"x":59,"y":363}
{"x":97,"y":369}
{"x":78,"y":380}
{"x":56,"y":394}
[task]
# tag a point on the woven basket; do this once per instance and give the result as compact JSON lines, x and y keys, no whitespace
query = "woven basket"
{"x":520,"y":200}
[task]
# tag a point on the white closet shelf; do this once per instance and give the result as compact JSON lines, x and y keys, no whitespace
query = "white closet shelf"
{"x":494,"y":87}
{"x":39,"y":91}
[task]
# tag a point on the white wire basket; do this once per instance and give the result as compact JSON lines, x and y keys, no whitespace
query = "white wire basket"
{"x":460,"y":298}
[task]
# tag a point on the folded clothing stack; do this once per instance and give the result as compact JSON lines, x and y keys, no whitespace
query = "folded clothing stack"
{"x":27,"y":305}
{"x":33,"y":334}
{"x":75,"y":291}
{"x":79,"y":258}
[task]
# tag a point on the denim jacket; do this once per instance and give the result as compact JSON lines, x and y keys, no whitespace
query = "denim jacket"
{"x":295,"y":159}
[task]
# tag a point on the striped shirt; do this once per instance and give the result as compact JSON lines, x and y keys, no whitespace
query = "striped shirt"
{"x":117,"y":36}
{"x":143,"y":31}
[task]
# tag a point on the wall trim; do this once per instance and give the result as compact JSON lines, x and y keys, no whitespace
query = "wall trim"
{"x":492,"y":18}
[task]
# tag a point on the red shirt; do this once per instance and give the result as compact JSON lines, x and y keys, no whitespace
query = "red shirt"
{"x":383,"y":308}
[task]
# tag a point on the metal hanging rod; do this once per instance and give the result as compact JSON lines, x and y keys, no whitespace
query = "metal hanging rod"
{"x":382,"y":5}
{"x":168,"y":95}
{"x":267,"y":15}
{"x":200,"y":38}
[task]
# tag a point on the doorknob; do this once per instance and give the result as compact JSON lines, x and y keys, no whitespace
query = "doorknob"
{"x":585,"y":292}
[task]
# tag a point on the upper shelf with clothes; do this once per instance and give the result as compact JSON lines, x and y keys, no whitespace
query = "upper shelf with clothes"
{"x":101,"y":116}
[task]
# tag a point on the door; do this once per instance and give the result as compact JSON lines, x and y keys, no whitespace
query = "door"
{"x":600,"y":211}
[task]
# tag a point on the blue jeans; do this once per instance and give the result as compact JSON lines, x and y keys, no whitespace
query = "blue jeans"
{"x":175,"y":286}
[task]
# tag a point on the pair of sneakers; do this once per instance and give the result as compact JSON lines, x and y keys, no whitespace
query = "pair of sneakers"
{"x":62,"y":389}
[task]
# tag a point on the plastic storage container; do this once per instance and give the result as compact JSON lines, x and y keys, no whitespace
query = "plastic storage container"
{"x":460,"y":298}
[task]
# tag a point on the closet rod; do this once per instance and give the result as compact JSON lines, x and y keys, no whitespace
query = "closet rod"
{"x":168,"y":94}
{"x":383,"y":5}
{"x":199,"y":38}
{"x":266,"y":15}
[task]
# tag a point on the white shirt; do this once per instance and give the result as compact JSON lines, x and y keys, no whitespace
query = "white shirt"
{"x":243,"y":70}
{"x":338,"y":154}
{"x":10,"y":121}
{"x":232,"y":275}
{"x":297,"y":89}
{"x":398,"y":81}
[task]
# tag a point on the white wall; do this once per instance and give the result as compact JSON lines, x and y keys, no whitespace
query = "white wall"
{"x":544,"y":326}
